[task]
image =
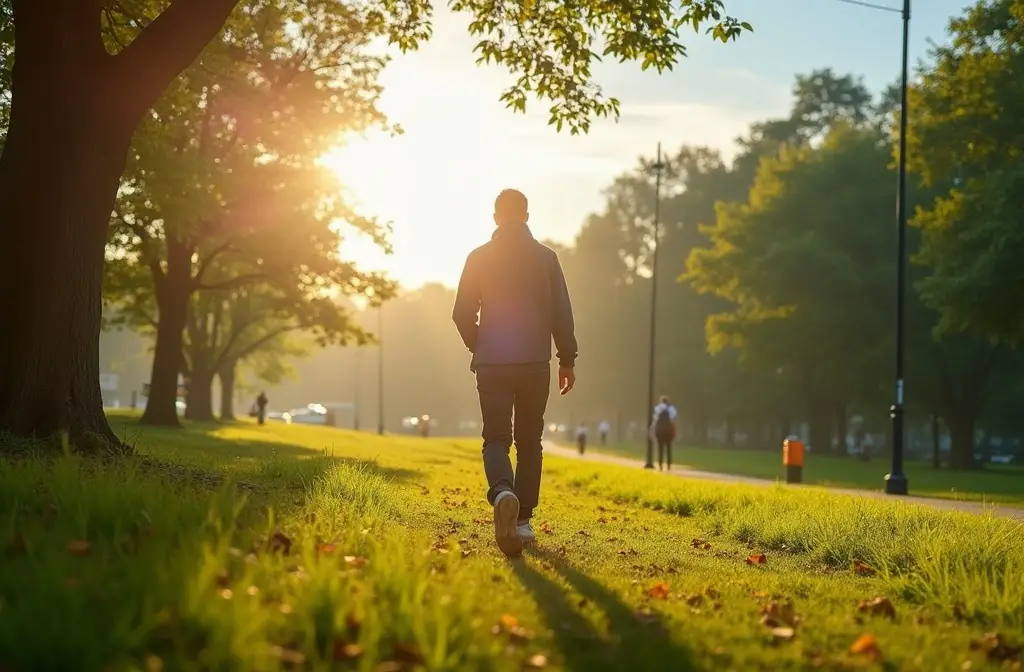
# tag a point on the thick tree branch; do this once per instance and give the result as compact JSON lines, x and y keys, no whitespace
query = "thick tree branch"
{"x":255,"y":345}
{"x":168,"y":45}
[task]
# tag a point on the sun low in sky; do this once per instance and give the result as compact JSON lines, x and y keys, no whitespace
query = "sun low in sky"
{"x":436,"y":183}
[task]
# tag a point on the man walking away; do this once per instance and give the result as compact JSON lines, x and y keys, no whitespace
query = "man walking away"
{"x":516,"y":286}
{"x":581,"y":438}
{"x":664,"y":428}
{"x":602,"y":430}
{"x":261,"y":408}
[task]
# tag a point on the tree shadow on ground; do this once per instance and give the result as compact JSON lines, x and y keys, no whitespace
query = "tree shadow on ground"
{"x":200,"y":449}
{"x":631,"y":640}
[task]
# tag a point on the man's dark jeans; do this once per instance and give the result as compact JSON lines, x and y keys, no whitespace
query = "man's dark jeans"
{"x":522,"y":389}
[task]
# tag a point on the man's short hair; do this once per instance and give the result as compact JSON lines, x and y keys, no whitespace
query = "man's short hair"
{"x":511,"y":204}
{"x":664,"y":399}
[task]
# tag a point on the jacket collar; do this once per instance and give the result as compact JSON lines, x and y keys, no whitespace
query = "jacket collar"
{"x":511,"y":230}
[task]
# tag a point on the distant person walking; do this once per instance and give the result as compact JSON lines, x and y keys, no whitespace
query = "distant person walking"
{"x":602,"y":431}
{"x":512,"y":300}
{"x":663,"y":427}
{"x":581,"y":438}
{"x":261,"y":408}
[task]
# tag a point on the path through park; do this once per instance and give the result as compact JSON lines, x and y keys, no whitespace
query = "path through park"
{"x":946,"y":504}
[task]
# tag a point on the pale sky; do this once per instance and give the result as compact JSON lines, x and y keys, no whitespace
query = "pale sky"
{"x":437,"y":182}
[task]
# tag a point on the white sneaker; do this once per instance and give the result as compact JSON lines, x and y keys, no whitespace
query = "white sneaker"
{"x":506,"y":513}
{"x":526,"y":533}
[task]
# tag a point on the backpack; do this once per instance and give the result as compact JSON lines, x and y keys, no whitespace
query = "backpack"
{"x":663,"y":424}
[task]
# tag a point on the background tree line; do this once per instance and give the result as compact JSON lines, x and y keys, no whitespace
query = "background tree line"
{"x":776,"y":297}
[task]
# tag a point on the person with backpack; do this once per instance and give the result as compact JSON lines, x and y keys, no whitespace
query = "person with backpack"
{"x":663,"y":426}
{"x":512,"y":301}
{"x":261,"y":408}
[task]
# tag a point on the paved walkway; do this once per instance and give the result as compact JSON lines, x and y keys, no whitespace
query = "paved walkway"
{"x":945,"y":504}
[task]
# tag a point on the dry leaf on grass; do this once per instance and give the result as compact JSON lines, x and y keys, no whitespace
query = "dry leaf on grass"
{"x":545,"y":528}
{"x":867,"y":646}
{"x":507,"y":621}
{"x":695,"y":600}
{"x":878,"y":606}
{"x":280,"y":543}
{"x":326,"y":549}
{"x":355,"y":561}
{"x":862,"y":568}
{"x":79,"y":547}
{"x":466,"y":552}
{"x":701,"y":544}
{"x":996,"y":647}
{"x":757,"y":559}
{"x":536,"y":661}
{"x":659,"y":591}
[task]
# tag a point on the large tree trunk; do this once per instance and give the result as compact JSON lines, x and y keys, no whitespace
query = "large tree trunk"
{"x":226,"y":375}
{"x":961,"y":440}
{"x":199,"y":402}
{"x":61,"y":164}
{"x":173,"y":288}
{"x":74,"y":110}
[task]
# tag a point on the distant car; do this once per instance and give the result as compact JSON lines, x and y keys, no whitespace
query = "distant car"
{"x":286,"y":418}
{"x":312,"y":414}
{"x":1003,"y":459}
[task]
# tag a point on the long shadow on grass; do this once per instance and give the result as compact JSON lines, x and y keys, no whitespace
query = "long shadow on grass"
{"x":632,"y":641}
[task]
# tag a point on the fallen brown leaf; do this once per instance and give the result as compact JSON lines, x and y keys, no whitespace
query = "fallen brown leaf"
{"x":508,"y":621}
{"x":280,"y":543}
{"x":711,"y":593}
{"x":695,"y":600}
{"x":79,"y":547}
{"x":327,"y":549}
{"x":700,"y":544}
{"x":757,"y":559}
{"x":996,"y":647}
{"x":466,"y":552}
{"x":878,"y":606}
{"x":659,"y":591}
{"x":536,"y":661}
{"x":862,"y":568}
{"x":355,"y":561}
{"x":866,"y":645}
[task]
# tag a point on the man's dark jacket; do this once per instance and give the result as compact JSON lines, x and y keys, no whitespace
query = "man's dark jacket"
{"x":517,"y":287}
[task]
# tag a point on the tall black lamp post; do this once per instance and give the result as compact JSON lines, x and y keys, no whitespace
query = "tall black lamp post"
{"x":896,"y":480}
{"x":658,"y":167}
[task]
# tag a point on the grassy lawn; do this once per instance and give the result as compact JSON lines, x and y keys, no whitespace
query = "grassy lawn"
{"x":251,"y":548}
{"x":997,"y":483}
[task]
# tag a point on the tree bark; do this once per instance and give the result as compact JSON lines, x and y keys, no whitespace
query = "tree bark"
{"x":59,"y":173}
{"x":961,"y":438}
{"x":226,"y":375}
{"x":199,"y":401}
{"x":73,"y":112}
{"x":173,"y":288}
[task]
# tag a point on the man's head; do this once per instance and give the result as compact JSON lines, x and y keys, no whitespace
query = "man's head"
{"x":664,"y":399}
{"x":511,"y":207}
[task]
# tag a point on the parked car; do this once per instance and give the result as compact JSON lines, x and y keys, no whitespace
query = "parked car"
{"x":312,"y":414}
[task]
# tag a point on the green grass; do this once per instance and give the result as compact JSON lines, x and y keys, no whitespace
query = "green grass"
{"x":256,"y":548}
{"x":997,"y":483}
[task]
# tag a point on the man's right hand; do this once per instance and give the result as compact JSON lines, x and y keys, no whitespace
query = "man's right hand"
{"x":566,"y":379}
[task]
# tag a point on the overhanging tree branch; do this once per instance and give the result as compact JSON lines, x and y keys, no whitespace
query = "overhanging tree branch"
{"x":166,"y":47}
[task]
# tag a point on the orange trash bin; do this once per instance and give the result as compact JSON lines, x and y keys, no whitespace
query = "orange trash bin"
{"x":793,"y":459}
